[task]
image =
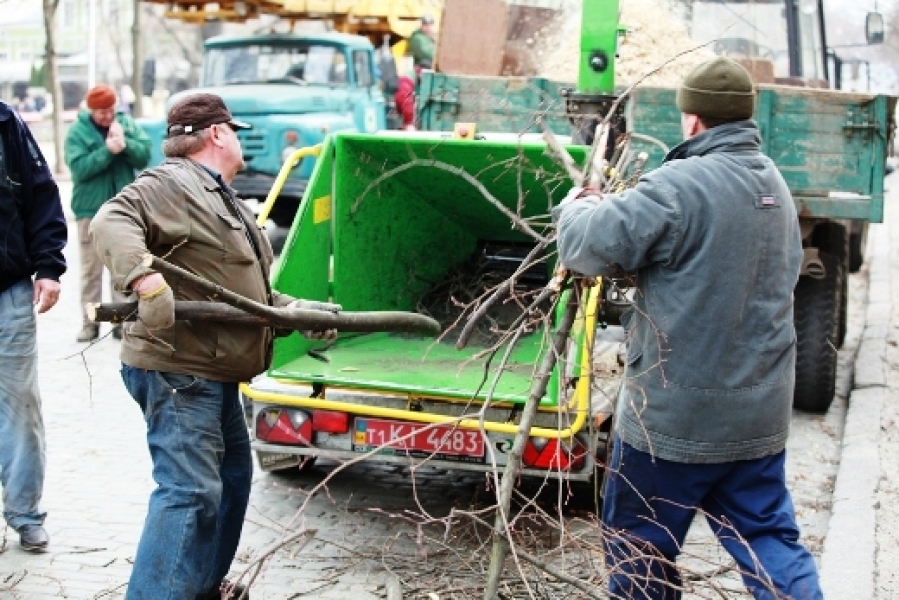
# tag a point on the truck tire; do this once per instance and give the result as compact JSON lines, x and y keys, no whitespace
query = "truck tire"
{"x":816,"y":311}
{"x":858,"y":239}
{"x":844,"y":306}
{"x":835,"y":238}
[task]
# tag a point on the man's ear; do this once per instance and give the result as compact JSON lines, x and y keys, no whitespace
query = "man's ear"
{"x":690,"y":125}
{"x":215,"y":132}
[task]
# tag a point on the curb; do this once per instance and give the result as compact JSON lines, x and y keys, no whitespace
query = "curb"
{"x":848,"y":561}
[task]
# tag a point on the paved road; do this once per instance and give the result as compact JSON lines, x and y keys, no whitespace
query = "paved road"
{"x":98,"y":483}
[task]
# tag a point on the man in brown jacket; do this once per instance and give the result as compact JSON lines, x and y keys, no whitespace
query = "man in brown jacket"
{"x":184,"y":374}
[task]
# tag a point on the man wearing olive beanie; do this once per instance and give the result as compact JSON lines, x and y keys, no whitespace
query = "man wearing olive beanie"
{"x":712,"y":241}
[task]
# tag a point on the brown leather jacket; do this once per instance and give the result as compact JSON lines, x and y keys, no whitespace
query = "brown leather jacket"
{"x":178,"y":211}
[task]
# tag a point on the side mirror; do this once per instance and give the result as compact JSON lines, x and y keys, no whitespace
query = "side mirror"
{"x":874,"y":30}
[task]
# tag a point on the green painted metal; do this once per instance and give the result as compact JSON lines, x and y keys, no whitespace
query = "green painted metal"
{"x":508,"y":104}
{"x":403,"y":212}
{"x":303,"y":270}
{"x":822,"y":141}
{"x":599,"y":43}
{"x":414,"y":366}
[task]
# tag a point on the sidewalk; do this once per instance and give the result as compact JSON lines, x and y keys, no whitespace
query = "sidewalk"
{"x":861,"y":550}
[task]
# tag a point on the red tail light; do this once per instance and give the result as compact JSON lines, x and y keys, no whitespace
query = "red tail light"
{"x":547,"y":453}
{"x":283,"y":426}
{"x":329,"y":421}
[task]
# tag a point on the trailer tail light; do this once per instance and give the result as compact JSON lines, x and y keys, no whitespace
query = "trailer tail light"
{"x":284,"y":426}
{"x":551,"y":453}
{"x":329,"y":421}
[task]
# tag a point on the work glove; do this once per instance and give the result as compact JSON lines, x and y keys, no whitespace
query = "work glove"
{"x":328,"y":335}
{"x":580,"y":192}
{"x":156,"y":308}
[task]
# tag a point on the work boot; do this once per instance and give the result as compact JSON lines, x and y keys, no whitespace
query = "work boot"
{"x":88,"y":333}
{"x":229,"y":590}
{"x":117,"y":332}
{"x":33,"y":538}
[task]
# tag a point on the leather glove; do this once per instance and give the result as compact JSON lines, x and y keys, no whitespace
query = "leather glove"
{"x":156,"y":308}
{"x":328,"y":335}
{"x":580,"y":192}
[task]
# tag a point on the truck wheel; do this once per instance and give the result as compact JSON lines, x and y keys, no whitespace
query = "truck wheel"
{"x":858,"y":239}
{"x":816,"y":312}
{"x":844,"y":307}
{"x":836,"y":239}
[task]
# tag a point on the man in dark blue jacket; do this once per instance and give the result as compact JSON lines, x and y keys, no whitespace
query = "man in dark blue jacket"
{"x":712,"y":238}
{"x":32,"y":236}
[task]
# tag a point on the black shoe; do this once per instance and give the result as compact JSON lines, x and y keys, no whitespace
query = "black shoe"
{"x":236,"y":590}
{"x":33,"y":538}
{"x":117,"y":332}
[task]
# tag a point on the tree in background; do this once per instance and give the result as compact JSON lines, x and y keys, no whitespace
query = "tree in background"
{"x":52,"y":70}
{"x":137,"y":62}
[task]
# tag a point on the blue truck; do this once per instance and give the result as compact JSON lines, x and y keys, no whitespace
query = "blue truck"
{"x":295,"y":90}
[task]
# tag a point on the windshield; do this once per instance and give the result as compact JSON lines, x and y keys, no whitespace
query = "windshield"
{"x":258,"y":63}
{"x":759,"y":29}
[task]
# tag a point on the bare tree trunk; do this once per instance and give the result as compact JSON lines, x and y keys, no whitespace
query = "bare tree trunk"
{"x":137,"y":63}
{"x":192,"y":55}
{"x":50,"y":7}
{"x":115,"y":39}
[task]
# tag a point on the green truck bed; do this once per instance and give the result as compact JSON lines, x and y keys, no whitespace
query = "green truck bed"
{"x":830,"y":146}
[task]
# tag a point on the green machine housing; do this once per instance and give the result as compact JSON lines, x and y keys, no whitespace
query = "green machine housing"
{"x":384,"y":219}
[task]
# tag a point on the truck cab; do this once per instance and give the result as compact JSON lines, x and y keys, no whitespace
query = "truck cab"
{"x":294,"y":90}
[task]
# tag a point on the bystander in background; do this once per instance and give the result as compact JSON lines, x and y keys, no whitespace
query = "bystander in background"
{"x":104,"y":152}
{"x":32,"y":237}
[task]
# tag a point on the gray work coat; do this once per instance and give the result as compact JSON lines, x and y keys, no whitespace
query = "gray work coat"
{"x":712,"y":238}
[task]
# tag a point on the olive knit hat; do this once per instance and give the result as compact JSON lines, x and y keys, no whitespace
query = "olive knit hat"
{"x":719,"y":88}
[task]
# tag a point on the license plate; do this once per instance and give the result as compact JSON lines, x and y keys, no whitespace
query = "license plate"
{"x":452,"y":443}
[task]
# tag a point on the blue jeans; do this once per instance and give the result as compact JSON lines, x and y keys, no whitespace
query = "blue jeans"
{"x":203,"y":469}
{"x":22,"y":448}
{"x":649,"y":504}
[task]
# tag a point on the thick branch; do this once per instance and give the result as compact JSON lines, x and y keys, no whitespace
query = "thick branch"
{"x":295,"y":319}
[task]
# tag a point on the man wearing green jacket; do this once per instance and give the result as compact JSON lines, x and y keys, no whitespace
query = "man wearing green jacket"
{"x":104,"y":151}
{"x":421,"y":43}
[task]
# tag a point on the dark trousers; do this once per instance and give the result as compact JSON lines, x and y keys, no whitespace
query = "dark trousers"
{"x":649,"y":505}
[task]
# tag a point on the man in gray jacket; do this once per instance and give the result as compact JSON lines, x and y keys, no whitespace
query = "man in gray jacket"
{"x":712,"y":240}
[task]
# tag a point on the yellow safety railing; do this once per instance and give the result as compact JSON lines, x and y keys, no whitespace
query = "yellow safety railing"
{"x":292,"y":161}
